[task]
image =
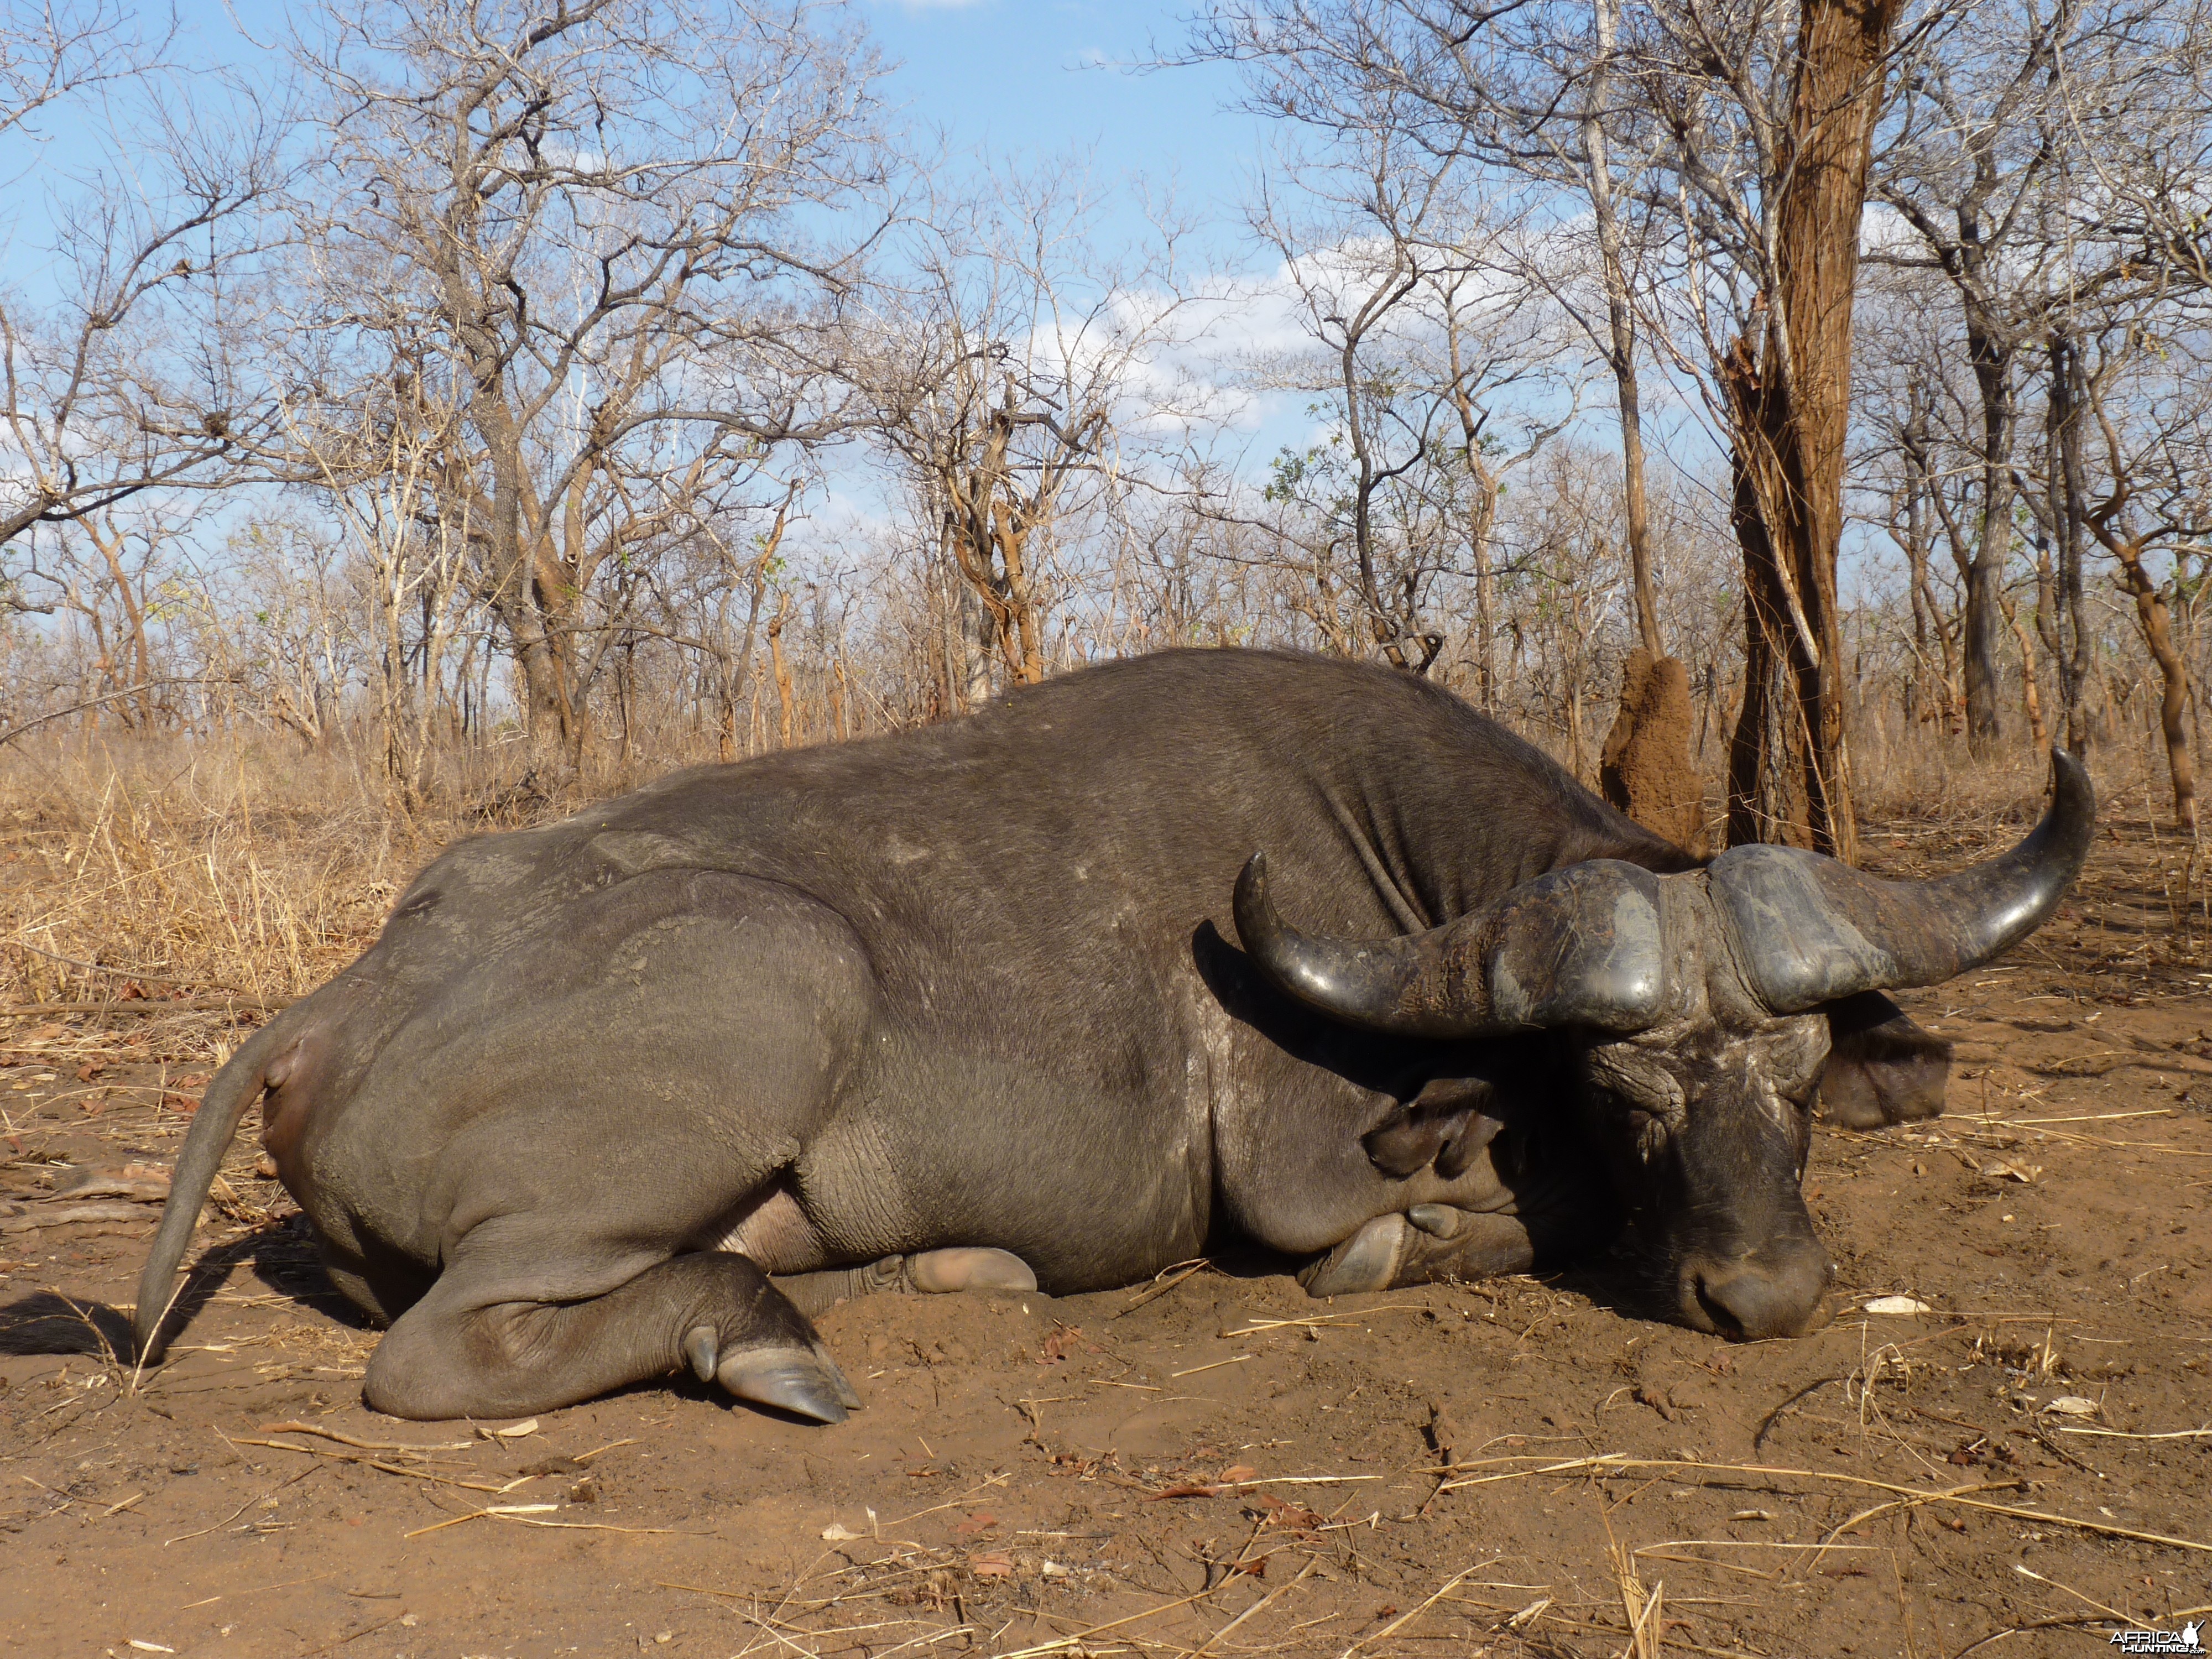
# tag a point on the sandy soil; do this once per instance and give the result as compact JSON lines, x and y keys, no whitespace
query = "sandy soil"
{"x":1222,"y":1467}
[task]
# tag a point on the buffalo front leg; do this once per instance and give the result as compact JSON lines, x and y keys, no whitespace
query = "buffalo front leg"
{"x":455,"y":1355}
{"x":1429,"y":1242}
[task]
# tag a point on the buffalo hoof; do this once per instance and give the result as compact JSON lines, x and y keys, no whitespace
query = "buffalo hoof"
{"x":1428,"y":1242}
{"x":1463,"y":1245}
{"x":974,"y":1268}
{"x":789,"y":1379}
{"x":1368,"y":1261}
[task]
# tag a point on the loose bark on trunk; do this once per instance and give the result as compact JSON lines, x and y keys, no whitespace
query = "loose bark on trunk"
{"x":2030,"y":696}
{"x":1791,"y":408}
{"x":1766,"y":778}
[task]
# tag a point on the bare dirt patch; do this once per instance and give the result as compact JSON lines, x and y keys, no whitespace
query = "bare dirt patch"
{"x":1225,"y":1468}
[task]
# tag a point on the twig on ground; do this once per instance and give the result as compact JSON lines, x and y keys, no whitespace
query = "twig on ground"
{"x":526,"y":1514}
{"x":1876,"y":1509}
{"x":1996,"y":1636}
{"x":1311,"y":1566}
{"x":373,"y":1445}
{"x":153,"y":1006}
{"x":1161,"y":1285}
{"x":105,"y":968}
{"x":261,"y":1497}
{"x":380,"y":1464}
{"x":1615,"y":1460}
{"x":1323,"y":1319}
{"x":1408,"y":1617}
{"x":2085,"y":1601}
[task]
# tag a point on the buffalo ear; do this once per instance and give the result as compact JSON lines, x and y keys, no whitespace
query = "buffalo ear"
{"x":1443,"y":1125}
{"x":1882,"y":1068}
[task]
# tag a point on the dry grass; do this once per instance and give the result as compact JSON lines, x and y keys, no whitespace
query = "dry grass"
{"x":169,"y":868}
{"x":240,"y":864}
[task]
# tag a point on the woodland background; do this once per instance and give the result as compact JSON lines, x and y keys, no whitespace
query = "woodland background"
{"x":1769,"y":409}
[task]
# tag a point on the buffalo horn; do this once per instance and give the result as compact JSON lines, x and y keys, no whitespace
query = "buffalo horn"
{"x":1580,"y":947}
{"x":1811,"y":929}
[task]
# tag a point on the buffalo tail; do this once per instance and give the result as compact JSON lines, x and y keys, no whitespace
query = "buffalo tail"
{"x":236,"y":1087}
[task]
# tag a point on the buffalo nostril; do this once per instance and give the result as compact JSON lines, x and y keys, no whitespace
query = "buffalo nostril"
{"x":1751,"y":1297}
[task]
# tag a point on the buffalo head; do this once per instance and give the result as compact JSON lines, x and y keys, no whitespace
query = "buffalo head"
{"x":1698,"y":1007}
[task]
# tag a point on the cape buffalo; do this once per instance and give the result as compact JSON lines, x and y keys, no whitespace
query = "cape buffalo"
{"x":989,"y":1004}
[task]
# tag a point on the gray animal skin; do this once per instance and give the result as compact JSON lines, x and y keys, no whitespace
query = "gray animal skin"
{"x":989,"y":1005}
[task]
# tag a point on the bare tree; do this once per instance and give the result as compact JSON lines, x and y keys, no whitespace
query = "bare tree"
{"x":2157,"y":502}
{"x":1978,"y":121}
{"x":599,"y":224}
{"x":1529,"y":94}
{"x":1767,"y":120}
{"x":290,"y":633}
{"x":1011,"y":370}
{"x":1359,"y":270}
{"x":124,"y":365}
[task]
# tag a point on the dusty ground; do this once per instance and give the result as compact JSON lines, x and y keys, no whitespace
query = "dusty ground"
{"x":1225,"y":1468}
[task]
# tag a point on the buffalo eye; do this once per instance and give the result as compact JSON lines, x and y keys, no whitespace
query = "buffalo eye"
{"x":1650,"y":1131}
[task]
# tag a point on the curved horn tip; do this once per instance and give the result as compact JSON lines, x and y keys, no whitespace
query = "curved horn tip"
{"x":2070,"y":776}
{"x":2071,"y":818}
{"x":1260,"y":930}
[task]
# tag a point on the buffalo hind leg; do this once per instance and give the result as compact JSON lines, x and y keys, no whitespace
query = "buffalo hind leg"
{"x":975,"y":1267}
{"x":448,"y":1356}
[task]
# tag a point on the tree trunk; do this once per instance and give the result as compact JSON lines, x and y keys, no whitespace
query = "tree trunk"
{"x":2030,"y":696}
{"x":1991,"y":358}
{"x":1645,"y":768}
{"x":1791,"y":415}
{"x":1482,"y":521}
{"x":1025,"y":643}
{"x":2109,"y":524}
{"x":2156,"y":622}
{"x":1621,"y":322}
{"x":783,"y":671}
{"x":2070,"y":507}
{"x":111,"y":551}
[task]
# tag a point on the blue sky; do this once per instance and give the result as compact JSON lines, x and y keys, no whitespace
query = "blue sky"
{"x":1029,"y":80}
{"x":1025,"y":80}
{"x":1021,"y":79}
